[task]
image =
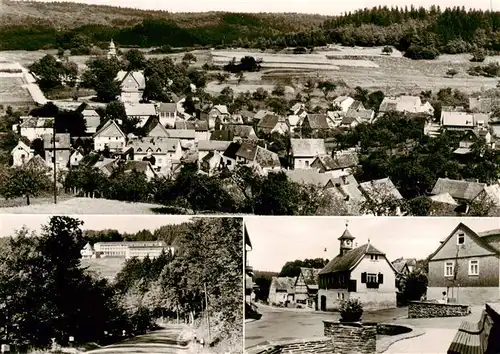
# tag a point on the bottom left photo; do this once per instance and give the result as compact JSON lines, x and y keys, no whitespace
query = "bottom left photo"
{"x":121,"y":284}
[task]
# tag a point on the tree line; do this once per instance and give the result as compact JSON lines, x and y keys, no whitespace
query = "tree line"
{"x":421,"y":33}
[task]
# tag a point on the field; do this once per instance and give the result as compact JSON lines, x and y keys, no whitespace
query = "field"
{"x":365,"y":67}
{"x":13,"y":92}
{"x":107,"y":267}
{"x":83,"y":206}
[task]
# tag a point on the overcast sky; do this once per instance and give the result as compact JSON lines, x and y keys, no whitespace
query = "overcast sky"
{"x":122,"y":223}
{"x":324,"y":7}
{"x":276,"y":240}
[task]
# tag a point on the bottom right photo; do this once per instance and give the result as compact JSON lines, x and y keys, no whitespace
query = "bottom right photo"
{"x":372,"y":285}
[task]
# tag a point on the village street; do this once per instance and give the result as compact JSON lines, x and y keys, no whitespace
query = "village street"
{"x":167,"y":340}
{"x":279,"y":324}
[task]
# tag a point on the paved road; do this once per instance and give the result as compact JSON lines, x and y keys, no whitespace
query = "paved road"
{"x":286,"y":324}
{"x":163,"y":341}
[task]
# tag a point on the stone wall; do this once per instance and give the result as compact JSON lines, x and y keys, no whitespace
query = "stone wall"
{"x":340,"y":337}
{"x":353,"y":337}
{"x":421,"y":309}
{"x":306,"y":346}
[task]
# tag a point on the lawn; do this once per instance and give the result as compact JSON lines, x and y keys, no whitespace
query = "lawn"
{"x":81,"y":206}
{"x":107,"y":267}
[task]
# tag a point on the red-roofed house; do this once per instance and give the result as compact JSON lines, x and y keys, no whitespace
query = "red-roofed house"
{"x":361,"y":272}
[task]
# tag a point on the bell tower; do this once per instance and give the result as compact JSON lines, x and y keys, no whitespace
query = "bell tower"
{"x":346,"y":240}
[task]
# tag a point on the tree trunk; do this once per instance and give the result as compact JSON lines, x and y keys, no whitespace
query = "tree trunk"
{"x":27,"y":199}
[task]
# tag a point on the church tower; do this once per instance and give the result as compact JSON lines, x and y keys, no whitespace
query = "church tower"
{"x":112,"y":50}
{"x":346,"y":241}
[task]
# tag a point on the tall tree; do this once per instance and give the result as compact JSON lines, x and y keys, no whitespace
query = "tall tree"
{"x":101,"y":77}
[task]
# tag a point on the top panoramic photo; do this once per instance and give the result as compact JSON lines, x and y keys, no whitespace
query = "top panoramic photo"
{"x":250,"y":107}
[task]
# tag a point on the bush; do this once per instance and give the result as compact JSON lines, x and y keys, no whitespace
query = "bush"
{"x":351,"y":306}
{"x":418,"y":52}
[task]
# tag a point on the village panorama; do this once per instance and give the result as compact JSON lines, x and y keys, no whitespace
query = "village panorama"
{"x":372,"y":285}
{"x":331,"y":117}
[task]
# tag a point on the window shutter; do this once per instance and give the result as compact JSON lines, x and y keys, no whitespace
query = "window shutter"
{"x":363,"y":277}
{"x":380,"y":278}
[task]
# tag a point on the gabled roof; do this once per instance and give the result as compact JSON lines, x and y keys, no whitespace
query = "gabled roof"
{"x":458,"y":189}
{"x":444,"y":198}
{"x":181,"y":133}
{"x":154,"y":123}
{"x":307,"y":147}
{"x":240,"y":130}
{"x":269,"y":121}
{"x":210,"y":145}
{"x":266,"y":158}
{"x":400,"y":263}
{"x":137,"y":76}
{"x":493,"y":193}
{"x":221,"y":108}
{"x":110,"y":124}
{"x":308,"y":176}
{"x":22,"y":145}
{"x":284,"y":284}
{"x":37,"y":122}
{"x":140,"y":109}
{"x":37,"y":162}
{"x":374,"y":189}
{"x":247,"y":151}
{"x":364,"y":114}
{"x":350,"y":259}
{"x":357,"y":105}
{"x":341,"y":99}
{"x":343,"y":160}
{"x":260,"y":114}
{"x":317,"y":121}
{"x":139,"y":166}
{"x":224,"y":135}
{"x":310,"y":275}
{"x":472,"y":234}
{"x":167,"y":107}
{"x":157,"y":145}
{"x":349,"y":120}
{"x":232,"y":149}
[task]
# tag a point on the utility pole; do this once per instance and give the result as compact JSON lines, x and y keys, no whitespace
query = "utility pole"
{"x":206,"y":309}
{"x":54,"y":157}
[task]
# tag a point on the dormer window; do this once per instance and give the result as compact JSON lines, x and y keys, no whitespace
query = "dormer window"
{"x":460,"y":238}
{"x":374,"y":257}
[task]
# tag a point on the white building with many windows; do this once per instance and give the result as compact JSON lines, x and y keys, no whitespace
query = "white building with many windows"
{"x":128,"y":249}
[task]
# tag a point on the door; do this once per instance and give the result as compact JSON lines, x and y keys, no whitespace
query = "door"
{"x":323,"y":303}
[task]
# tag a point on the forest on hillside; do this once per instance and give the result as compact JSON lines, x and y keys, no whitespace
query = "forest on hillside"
{"x":421,"y":33}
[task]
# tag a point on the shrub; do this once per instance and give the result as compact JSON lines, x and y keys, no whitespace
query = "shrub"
{"x":351,"y":306}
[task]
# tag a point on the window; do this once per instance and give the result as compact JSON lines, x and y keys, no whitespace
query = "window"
{"x":371,"y":281}
{"x":229,"y":162}
{"x":338,"y":296}
{"x":474,"y":267}
{"x":448,"y":269}
{"x":374,"y":257}
{"x":461,"y":238}
{"x":307,"y":163}
{"x":342,"y":296}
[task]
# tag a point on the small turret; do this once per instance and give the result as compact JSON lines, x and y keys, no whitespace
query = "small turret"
{"x":346,"y":241}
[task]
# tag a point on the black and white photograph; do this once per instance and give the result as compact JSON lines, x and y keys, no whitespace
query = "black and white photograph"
{"x":121,"y":284}
{"x":372,"y":285}
{"x":302,"y":107}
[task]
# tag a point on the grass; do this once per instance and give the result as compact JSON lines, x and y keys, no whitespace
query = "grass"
{"x":21,"y":202}
{"x":82,"y":206}
{"x":107,"y":267}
